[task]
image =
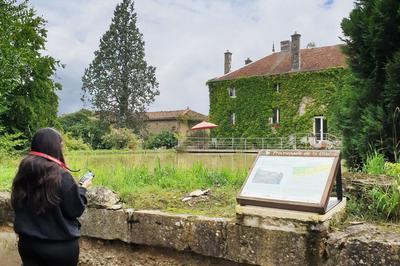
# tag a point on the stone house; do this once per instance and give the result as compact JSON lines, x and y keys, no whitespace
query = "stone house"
{"x":179,"y":121}
{"x":286,"y":92}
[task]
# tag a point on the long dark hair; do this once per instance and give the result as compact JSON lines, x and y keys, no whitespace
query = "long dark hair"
{"x":37,"y":181}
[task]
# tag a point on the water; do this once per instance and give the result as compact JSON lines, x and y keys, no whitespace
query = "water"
{"x":233,"y":161}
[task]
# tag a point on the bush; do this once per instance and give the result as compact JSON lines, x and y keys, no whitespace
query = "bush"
{"x":86,"y":125}
{"x":120,"y":138}
{"x":74,"y":144}
{"x":9,"y":143}
{"x":164,"y":139}
{"x":392,"y":169}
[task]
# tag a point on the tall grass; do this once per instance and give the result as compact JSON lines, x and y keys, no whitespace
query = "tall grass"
{"x":375,"y":164}
{"x":381,"y":202}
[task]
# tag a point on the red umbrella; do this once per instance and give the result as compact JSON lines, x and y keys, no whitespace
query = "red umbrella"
{"x":203,"y":125}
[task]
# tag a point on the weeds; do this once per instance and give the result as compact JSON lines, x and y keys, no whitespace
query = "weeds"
{"x":375,"y":164}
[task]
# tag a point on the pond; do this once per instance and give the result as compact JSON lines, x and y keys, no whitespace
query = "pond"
{"x":92,"y":159}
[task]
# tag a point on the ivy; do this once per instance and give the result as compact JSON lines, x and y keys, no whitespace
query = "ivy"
{"x":256,"y":98}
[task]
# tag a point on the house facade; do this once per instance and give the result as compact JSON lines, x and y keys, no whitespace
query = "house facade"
{"x":286,"y":92}
{"x":179,"y":121}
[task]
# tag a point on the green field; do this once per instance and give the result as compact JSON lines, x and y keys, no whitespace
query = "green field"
{"x":159,"y":180}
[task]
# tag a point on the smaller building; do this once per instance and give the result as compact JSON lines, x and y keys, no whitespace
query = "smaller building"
{"x":179,"y":121}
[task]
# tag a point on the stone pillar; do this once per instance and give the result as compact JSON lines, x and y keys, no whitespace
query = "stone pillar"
{"x":295,"y":51}
{"x":285,"y":46}
{"x":228,"y":61}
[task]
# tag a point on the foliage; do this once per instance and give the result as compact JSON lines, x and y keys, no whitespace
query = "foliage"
{"x":10,"y":142}
{"x":375,"y":164}
{"x":387,"y":200}
{"x":86,"y":125}
{"x":26,"y":88}
{"x":256,"y":97}
{"x":372,"y":35}
{"x":120,"y":138}
{"x":164,"y":139}
{"x":74,"y":144}
{"x":381,"y":202}
{"x":119,"y":82}
{"x":392,"y":169}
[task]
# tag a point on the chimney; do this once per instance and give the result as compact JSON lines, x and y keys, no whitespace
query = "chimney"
{"x":285,"y":46}
{"x":295,"y":51}
{"x":228,"y":61}
{"x":247,"y":61}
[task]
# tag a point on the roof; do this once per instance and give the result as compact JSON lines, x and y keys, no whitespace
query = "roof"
{"x":311,"y":59}
{"x":173,"y":115}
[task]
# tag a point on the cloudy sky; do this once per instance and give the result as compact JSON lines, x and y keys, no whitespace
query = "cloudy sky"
{"x":185,"y":39}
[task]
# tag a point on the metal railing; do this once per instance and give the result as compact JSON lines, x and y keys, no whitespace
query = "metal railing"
{"x":293,"y":141}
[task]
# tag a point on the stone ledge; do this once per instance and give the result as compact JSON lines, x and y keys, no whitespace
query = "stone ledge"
{"x":364,"y":244}
{"x":225,"y":238}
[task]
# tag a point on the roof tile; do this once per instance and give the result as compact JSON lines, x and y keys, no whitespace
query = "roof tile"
{"x":311,"y":59}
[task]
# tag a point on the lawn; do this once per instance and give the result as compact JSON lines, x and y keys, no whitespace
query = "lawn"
{"x":158,"y":184}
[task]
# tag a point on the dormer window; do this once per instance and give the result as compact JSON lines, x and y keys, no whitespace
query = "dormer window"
{"x":232,"y":92}
{"x":276,"y":87}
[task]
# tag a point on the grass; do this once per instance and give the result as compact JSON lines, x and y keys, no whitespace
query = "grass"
{"x":158,"y":185}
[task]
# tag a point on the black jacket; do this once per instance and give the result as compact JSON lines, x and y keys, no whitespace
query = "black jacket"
{"x":59,"y":222}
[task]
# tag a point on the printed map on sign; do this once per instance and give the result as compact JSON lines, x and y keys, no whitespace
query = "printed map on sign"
{"x":289,"y":178}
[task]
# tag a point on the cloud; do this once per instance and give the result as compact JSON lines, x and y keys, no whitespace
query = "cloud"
{"x":186,"y":39}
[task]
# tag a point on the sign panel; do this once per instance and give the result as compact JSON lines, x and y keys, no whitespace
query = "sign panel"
{"x":298,"y":180}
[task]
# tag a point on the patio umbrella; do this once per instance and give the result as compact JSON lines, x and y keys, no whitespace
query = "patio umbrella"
{"x":203,"y":125}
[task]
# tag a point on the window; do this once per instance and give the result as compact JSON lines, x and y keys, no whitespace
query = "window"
{"x":275,"y":116}
{"x":232,"y":119}
{"x":276,"y":87}
{"x":320,"y":128}
{"x":232,"y":92}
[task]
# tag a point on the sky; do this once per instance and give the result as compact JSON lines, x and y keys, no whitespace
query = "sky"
{"x":185,"y":39}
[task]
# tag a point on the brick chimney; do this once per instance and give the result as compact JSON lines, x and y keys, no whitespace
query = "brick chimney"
{"x":295,"y":51}
{"x":285,"y":46}
{"x":228,"y":61}
{"x":247,"y":61}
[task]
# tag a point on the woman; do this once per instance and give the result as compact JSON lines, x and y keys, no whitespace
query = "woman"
{"x":47,"y":202}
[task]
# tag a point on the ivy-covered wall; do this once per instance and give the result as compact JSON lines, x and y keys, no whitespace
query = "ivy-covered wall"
{"x":256,"y":98}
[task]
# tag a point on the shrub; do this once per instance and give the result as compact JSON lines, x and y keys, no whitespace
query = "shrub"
{"x":164,"y":139}
{"x":86,"y":125}
{"x":392,"y":169}
{"x":120,"y":138}
{"x":74,"y":144}
{"x":11,"y":142}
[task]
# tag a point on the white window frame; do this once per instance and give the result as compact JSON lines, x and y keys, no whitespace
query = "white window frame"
{"x":233,"y":119}
{"x":232,"y":92}
{"x":322,"y":133}
{"x":277,"y":116}
{"x":277,"y":87}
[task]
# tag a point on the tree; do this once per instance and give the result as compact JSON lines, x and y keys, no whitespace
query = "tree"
{"x":85,"y":125}
{"x":118,"y":82}
{"x":27,"y":93}
{"x":372,"y":36}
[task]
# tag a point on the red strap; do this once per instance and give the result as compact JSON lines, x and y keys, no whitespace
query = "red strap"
{"x":48,"y":157}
